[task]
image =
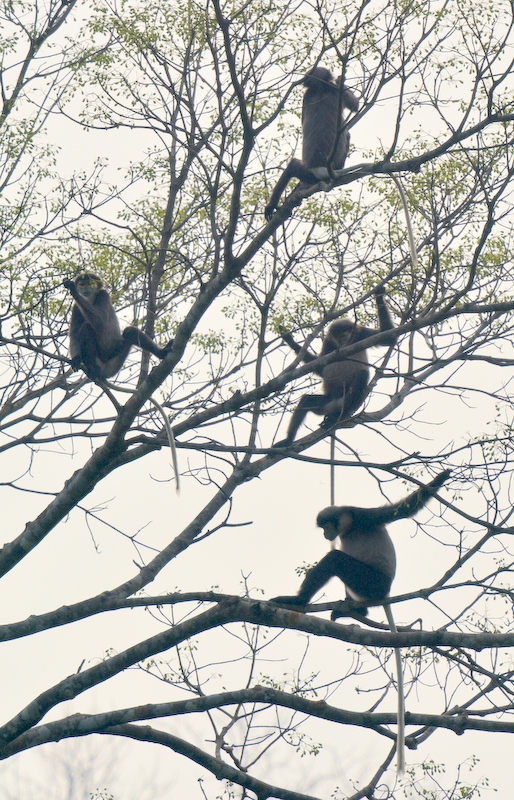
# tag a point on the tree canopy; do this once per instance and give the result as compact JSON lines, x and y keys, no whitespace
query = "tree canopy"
{"x":141,"y":141}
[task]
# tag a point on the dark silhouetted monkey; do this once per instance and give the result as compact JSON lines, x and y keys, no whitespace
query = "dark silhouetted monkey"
{"x":96,"y":341}
{"x":366,"y":563}
{"x":345,"y":380}
{"x":325,"y":138}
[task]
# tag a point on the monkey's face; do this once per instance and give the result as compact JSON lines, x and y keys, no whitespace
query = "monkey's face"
{"x":330,"y":531}
{"x":335,"y":521}
{"x":341,"y":332}
{"x":318,"y":78}
{"x":88,"y":284}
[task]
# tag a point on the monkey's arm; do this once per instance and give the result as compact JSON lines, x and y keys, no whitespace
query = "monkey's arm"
{"x":76,"y":322}
{"x":306,"y":356}
{"x":288,"y":339}
{"x":350,"y":100}
{"x":384,"y":315}
{"x":99,"y":312}
{"x":410,"y":505}
{"x":385,"y":321}
{"x":295,"y":169}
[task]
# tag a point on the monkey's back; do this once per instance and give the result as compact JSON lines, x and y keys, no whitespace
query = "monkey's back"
{"x":321,"y":123}
{"x":339,"y":374}
{"x":373,"y":547}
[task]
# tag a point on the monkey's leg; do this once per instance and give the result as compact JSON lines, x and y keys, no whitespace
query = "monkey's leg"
{"x":313,"y":581}
{"x":365,"y":581}
{"x":133,"y":336}
{"x":355,"y":394}
{"x":309,"y":402}
{"x":352,"y":399}
{"x":294,"y":169}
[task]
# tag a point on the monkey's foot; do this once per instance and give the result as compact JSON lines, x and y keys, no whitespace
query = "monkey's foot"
{"x":288,"y":600}
{"x":360,"y":612}
{"x":330,"y":421}
{"x":76,"y":363}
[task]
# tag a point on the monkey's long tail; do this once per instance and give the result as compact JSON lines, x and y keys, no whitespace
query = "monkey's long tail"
{"x":410,"y":232}
{"x":171,"y":441}
{"x":400,"y":733}
{"x":332,"y":478}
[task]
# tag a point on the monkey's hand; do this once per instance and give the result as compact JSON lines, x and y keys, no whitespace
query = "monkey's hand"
{"x":287,"y":337}
{"x":379,"y":291}
{"x":269,"y":211}
{"x":166,"y":349}
{"x":288,"y":600}
{"x":282,"y":443}
{"x":440,"y":479}
{"x":69,"y":285}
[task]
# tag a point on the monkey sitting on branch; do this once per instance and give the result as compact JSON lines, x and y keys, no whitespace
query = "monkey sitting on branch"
{"x":345,"y":380}
{"x":96,"y":341}
{"x":100,"y":348}
{"x":366,"y":564}
{"x":325,"y":139}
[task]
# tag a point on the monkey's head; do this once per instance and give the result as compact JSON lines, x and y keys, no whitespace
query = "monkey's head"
{"x":88,"y":284}
{"x":341,"y":331}
{"x":317,"y":78}
{"x":335,"y":521}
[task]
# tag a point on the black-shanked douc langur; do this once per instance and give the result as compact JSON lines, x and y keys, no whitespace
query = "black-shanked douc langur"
{"x":325,"y":138}
{"x":100,"y":348}
{"x":345,"y":380}
{"x":366,"y":563}
{"x":96,"y":341}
